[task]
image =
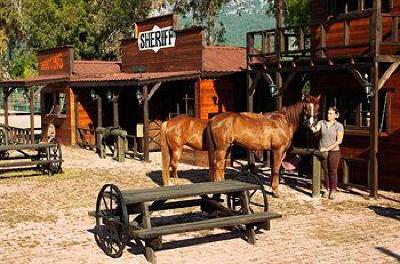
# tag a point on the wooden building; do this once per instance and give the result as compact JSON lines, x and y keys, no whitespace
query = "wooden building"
{"x":163,"y":71}
{"x":350,"y":54}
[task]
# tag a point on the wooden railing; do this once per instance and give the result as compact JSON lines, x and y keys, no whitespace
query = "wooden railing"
{"x":394,"y":36}
{"x":296,"y":42}
{"x":281,"y":42}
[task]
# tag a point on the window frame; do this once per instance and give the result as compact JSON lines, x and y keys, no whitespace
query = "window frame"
{"x":333,"y":7}
{"x":360,"y":120}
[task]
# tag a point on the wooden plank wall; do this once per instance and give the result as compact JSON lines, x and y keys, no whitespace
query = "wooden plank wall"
{"x":215,"y":96}
{"x":357,"y":145}
{"x":161,"y":21}
{"x":185,"y":56}
{"x":359,"y":32}
{"x":65,"y":128}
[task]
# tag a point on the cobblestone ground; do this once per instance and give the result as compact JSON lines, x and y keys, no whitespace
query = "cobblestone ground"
{"x":43,"y":219}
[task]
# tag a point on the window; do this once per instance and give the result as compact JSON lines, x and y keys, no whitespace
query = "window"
{"x":337,"y":7}
{"x":355,"y":110}
{"x":55,"y":104}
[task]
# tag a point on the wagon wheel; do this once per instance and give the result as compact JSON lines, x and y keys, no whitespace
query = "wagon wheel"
{"x":111,"y":221}
{"x":55,"y":153}
{"x":4,"y":154}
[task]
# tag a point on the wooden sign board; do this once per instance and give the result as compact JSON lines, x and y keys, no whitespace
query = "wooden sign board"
{"x":56,"y":61}
{"x":159,"y":47}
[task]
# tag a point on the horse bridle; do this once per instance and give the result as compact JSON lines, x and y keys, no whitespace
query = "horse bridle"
{"x":309,"y":115}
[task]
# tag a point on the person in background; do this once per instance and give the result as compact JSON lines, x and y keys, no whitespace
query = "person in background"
{"x":332,"y":133}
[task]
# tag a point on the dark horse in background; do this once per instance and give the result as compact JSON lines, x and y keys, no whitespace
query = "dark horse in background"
{"x":272,"y":131}
{"x":176,"y":133}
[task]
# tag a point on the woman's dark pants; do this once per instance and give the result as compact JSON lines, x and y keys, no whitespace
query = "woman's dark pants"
{"x":330,"y":168}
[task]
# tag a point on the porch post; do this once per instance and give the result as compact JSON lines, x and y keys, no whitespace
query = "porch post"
{"x":99,"y":111}
{"x":278,"y":83}
{"x":251,"y":160}
{"x":115,"y":109}
{"x":146,"y":122}
{"x":376,"y":38}
{"x":32,"y":117}
{"x":373,"y":169}
{"x":5,"y":103}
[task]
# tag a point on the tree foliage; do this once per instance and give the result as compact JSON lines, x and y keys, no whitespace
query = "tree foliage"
{"x":297,"y":13}
{"x":93,"y":27}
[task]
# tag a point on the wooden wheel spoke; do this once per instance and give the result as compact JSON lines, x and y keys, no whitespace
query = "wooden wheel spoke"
{"x":114,"y":218}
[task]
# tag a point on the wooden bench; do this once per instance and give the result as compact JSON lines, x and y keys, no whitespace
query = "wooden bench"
{"x":45,"y":156}
{"x":114,"y":208}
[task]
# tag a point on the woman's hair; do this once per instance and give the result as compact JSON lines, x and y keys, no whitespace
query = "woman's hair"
{"x":333,"y":108}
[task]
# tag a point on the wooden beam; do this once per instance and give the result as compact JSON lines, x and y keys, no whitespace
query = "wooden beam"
{"x":358,"y":76}
{"x":346,"y":33}
{"x":287,"y":82}
{"x":5,"y":104}
{"x":395,"y":29}
{"x":254,"y":84}
{"x":99,"y":111}
{"x":376,"y":28}
{"x":115,"y":101}
{"x":154,"y":89}
{"x":250,"y":96}
{"x":146,"y":124}
{"x":388,"y":73}
{"x":32,"y":117}
{"x":373,"y":164}
{"x":278,"y":83}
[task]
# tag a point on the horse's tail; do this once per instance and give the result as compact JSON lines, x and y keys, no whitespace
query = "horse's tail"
{"x":165,"y":153}
{"x":211,"y":152}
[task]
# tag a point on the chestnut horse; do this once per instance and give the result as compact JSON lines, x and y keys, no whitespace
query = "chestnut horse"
{"x":175,"y":133}
{"x":272,"y":131}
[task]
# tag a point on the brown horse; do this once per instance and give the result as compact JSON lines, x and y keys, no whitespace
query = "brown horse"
{"x":176,"y":133}
{"x":272,"y":131}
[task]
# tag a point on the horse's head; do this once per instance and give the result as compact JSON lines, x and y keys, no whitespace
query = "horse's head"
{"x":311,"y":109}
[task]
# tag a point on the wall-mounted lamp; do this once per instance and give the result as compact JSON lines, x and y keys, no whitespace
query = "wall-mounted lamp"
{"x":368,"y":87}
{"x":93,"y":94}
{"x":25,"y":94}
{"x":274,"y":91}
{"x":109,"y":96}
{"x":139,"y":97}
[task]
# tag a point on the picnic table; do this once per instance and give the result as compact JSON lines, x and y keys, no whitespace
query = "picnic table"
{"x":122,"y":216}
{"x":47,"y":157}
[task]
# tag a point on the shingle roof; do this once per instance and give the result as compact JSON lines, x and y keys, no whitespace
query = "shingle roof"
{"x":224,"y":59}
{"x":35,"y":80}
{"x":146,"y":77}
{"x":216,"y":59}
{"x":96,"y":67}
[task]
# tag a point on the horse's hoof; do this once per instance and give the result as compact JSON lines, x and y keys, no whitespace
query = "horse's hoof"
{"x":276,"y":194}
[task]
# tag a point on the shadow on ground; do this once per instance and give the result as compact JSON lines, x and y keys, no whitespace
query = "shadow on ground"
{"x":386,"y":211}
{"x":389,"y":253}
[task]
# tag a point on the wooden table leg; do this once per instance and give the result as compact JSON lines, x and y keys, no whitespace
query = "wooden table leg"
{"x":149,"y":250}
{"x":245,"y":203}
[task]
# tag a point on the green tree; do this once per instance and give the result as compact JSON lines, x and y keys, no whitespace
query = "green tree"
{"x":203,"y":13}
{"x":297,"y":13}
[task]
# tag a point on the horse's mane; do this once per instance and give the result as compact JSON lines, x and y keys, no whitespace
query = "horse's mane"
{"x":294,"y":112}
